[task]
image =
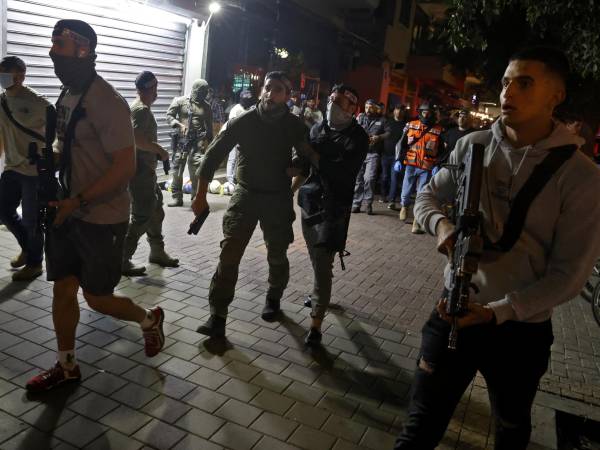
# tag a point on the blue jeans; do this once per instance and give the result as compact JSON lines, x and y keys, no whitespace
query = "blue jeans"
{"x":365,"y":180}
{"x":413,"y":178}
{"x":16,"y":188}
{"x":395,"y":184}
{"x":387,"y":166}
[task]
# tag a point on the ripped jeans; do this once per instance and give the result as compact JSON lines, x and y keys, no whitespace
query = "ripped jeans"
{"x":512,"y":357}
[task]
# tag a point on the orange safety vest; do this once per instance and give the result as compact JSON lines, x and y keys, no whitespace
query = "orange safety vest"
{"x":423,"y":147}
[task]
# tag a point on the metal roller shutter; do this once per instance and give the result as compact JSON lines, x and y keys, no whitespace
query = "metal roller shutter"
{"x":129,"y":41}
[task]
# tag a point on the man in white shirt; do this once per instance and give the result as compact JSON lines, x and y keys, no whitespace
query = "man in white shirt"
{"x":22,"y":117}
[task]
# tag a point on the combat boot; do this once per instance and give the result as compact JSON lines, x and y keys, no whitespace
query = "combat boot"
{"x":160,"y":257}
{"x":214,"y":327}
{"x":271,"y":310}
{"x":130,"y":270}
{"x":313,"y":338}
{"x":175,"y":202}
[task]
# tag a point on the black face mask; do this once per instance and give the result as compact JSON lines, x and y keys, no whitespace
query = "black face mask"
{"x":73,"y":72}
{"x":427,"y":120}
{"x":199,"y":95}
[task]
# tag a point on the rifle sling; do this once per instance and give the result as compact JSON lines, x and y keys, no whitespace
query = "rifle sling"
{"x":78,"y":113}
{"x":14,"y":121}
{"x":533,"y":186}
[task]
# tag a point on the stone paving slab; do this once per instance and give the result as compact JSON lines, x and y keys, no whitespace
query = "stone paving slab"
{"x":260,"y":389}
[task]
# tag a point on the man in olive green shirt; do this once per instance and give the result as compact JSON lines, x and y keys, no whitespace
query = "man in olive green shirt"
{"x":200,"y":131}
{"x":266,"y":136}
{"x":147,"y":212}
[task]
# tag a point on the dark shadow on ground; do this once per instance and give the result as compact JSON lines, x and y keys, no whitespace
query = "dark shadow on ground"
{"x":54,"y":403}
{"x":12,"y":288}
{"x":217,"y":346}
{"x":365,"y":385}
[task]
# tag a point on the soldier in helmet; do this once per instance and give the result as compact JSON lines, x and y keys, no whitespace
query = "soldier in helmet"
{"x":192,"y":117}
{"x":418,"y":150}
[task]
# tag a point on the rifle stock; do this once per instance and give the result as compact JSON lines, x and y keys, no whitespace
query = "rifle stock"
{"x":469,"y":242}
{"x":47,"y":182}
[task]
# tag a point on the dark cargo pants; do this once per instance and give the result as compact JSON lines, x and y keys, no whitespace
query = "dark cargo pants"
{"x":147,"y":213}
{"x":321,"y":259}
{"x":275,"y":213}
{"x":193,"y":161}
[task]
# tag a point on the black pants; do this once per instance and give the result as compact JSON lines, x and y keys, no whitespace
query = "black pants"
{"x":512,"y":358}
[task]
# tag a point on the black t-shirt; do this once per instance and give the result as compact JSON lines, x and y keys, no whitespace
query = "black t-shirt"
{"x":265,"y":150}
{"x":395,"y":128}
{"x":450,"y":137}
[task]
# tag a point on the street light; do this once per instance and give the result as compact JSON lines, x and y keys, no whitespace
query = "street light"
{"x":214,"y":8}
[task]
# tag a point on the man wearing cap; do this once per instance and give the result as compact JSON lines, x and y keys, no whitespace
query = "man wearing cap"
{"x":326,"y":197}
{"x":452,"y":135}
{"x":418,"y":151}
{"x":147,"y":213}
{"x":22,"y":117}
{"x":201,"y":133}
{"x":246,"y":102}
{"x":266,"y":136}
{"x":84,"y":247}
{"x":374,"y":124}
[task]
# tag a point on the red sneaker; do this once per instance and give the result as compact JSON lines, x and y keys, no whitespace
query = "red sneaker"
{"x":154,"y":337}
{"x":52,"y":378}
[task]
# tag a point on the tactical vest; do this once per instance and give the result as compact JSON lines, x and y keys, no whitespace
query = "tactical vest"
{"x":423,"y":145}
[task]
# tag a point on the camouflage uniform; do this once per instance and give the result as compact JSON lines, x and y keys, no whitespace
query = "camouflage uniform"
{"x":178,"y":112}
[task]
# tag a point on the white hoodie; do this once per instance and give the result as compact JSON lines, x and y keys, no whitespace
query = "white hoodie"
{"x":560,"y":241}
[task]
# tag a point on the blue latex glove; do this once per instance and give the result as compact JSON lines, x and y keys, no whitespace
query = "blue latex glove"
{"x":397,"y":166}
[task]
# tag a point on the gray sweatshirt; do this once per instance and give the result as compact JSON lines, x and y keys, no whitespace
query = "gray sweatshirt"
{"x":560,"y":241}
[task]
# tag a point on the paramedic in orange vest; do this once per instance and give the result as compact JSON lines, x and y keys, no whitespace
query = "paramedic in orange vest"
{"x":418,"y":150}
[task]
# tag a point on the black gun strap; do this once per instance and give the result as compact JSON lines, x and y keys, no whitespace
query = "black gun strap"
{"x":23,"y":128}
{"x":78,"y":113}
{"x":533,"y":186}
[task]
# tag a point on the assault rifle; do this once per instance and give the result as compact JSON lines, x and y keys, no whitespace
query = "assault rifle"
{"x":469,"y":242}
{"x":47,"y":182}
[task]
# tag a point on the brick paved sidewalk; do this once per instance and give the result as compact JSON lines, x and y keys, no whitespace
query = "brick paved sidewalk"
{"x":259,"y":390}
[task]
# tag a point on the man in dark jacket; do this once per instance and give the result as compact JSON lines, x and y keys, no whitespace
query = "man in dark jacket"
{"x":326,"y":197}
{"x":374,"y":124}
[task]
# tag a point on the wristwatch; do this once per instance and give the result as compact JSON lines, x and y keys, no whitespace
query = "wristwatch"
{"x":82,"y":202}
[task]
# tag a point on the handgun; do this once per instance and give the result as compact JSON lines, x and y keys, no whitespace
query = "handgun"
{"x":198,"y":222}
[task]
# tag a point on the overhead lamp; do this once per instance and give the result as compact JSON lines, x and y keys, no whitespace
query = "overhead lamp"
{"x":214,"y":8}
